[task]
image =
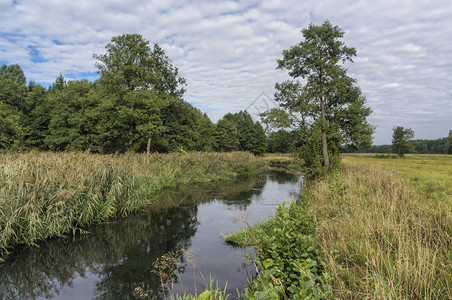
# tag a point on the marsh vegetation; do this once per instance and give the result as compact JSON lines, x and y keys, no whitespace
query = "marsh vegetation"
{"x":45,"y":195}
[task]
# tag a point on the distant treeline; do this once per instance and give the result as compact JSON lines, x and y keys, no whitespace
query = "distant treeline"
{"x":136,"y":105}
{"x":283,"y":141}
{"x":438,"y":146}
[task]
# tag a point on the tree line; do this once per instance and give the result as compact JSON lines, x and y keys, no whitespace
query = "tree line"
{"x":415,"y":146}
{"x":136,"y":105}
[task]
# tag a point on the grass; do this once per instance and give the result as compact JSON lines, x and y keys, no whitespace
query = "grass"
{"x":44,"y":195}
{"x":386,"y":226}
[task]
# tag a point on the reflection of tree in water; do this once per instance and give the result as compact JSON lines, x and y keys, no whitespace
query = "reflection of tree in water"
{"x":120,"y":254}
{"x":238,"y":193}
{"x":282,"y":177}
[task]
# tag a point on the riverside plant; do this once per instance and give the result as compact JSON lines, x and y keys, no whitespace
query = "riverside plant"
{"x":288,"y":260}
{"x":45,"y":194}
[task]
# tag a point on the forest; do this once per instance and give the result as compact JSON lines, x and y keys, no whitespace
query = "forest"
{"x":136,"y":105}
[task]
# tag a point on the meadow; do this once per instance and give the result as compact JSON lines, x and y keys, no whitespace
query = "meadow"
{"x":45,"y":194}
{"x":385,"y":226}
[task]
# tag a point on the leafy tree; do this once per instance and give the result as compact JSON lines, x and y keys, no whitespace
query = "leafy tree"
{"x":401,"y":138}
{"x":13,"y":73}
{"x":258,"y":144}
{"x":281,"y":141}
{"x":449,"y":143}
{"x":10,"y":129}
{"x":327,"y":107}
{"x":185,"y":128}
{"x":70,"y":126}
{"x":137,"y":81}
{"x":250,"y":135}
{"x":226,"y":136}
{"x":36,"y":117}
{"x":13,"y":90}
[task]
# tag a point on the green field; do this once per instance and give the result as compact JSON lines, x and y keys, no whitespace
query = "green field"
{"x":386,"y":226}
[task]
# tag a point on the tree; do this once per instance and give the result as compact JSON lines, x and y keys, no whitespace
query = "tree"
{"x":226,"y":136}
{"x":136,"y":83}
{"x":281,"y":141}
{"x":401,"y":140}
{"x":448,"y":148}
{"x":250,"y":135}
{"x":10,"y":129}
{"x":327,"y":108}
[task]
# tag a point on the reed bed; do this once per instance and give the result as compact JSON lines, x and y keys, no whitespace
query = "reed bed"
{"x":386,"y":227}
{"x":45,"y":195}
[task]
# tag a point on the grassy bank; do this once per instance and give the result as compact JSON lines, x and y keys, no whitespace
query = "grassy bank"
{"x":386,"y":226}
{"x":384,"y":229}
{"x":44,"y":195}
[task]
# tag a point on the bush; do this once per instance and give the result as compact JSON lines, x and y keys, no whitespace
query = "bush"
{"x":289,"y":259}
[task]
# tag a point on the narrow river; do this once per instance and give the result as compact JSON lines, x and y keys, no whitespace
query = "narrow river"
{"x":115,"y":258}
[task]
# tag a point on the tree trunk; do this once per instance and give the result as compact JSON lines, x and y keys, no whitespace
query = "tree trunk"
{"x":326,"y":159}
{"x":148,"y":148}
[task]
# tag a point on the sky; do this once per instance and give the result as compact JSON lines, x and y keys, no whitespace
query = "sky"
{"x":227,"y":50}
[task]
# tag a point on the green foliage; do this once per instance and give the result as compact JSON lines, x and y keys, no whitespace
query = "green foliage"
{"x":289,"y":258}
{"x":401,"y":140}
{"x":49,"y":194}
{"x":10,"y":127}
{"x":449,"y":143}
{"x":184,"y":128}
{"x":328,"y":108}
{"x":281,"y":141}
{"x":239,"y":132}
{"x":131,"y":63}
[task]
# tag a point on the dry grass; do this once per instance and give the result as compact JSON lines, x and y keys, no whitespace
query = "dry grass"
{"x":386,"y":227}
{"x":50,"y":194}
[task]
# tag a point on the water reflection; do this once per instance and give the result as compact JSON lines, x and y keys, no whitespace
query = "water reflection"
{"x":117,"y":257}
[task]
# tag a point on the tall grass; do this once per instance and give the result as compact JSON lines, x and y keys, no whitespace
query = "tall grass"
{"x":45,"y":195}
{"x":386,"y":227}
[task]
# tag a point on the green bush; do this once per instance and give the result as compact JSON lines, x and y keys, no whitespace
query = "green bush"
{"x":289,"y":259}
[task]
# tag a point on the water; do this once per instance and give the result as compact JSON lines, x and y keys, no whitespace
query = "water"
{"x":115,"y":258}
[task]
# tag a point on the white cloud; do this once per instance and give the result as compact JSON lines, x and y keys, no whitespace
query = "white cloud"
{"x":227,"y":50}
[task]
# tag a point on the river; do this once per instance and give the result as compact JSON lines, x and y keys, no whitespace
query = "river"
{"x":117,"y":257}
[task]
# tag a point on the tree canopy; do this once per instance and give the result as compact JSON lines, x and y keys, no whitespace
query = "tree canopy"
{"x":238,"y":132}
{"x":401,"y":140}
{"x":326,"y":107}
{"x":135,"y":105}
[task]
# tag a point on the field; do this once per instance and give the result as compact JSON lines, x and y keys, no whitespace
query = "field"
{"x":386,"y":226}
{"x":44,"y":195}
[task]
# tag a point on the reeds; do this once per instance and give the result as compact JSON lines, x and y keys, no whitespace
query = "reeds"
{"x":47,"y":194}
{"x":387,"y":234}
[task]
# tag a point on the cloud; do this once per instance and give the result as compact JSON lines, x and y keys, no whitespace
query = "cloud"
{"x":227,"y":50}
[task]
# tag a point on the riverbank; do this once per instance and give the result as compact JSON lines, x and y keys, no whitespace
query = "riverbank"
{"x":385,"y":226}
{"x":44,"y":195}
{"x":384,"y":231}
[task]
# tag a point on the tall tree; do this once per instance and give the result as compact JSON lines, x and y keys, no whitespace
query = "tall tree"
{"x":448,"y":148}
{"x":226,"y":136}
{"x":10,"y":129}
{"x":137,"y":81}
{"x":251,"y":135}
{"x":327,"y":107}
{"x":401,"y":140}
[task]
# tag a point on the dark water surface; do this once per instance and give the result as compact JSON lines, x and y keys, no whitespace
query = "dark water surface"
{"x":115,"y":258}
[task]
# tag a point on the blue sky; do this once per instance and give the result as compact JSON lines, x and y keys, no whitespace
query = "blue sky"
{"x":227,"y":50}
